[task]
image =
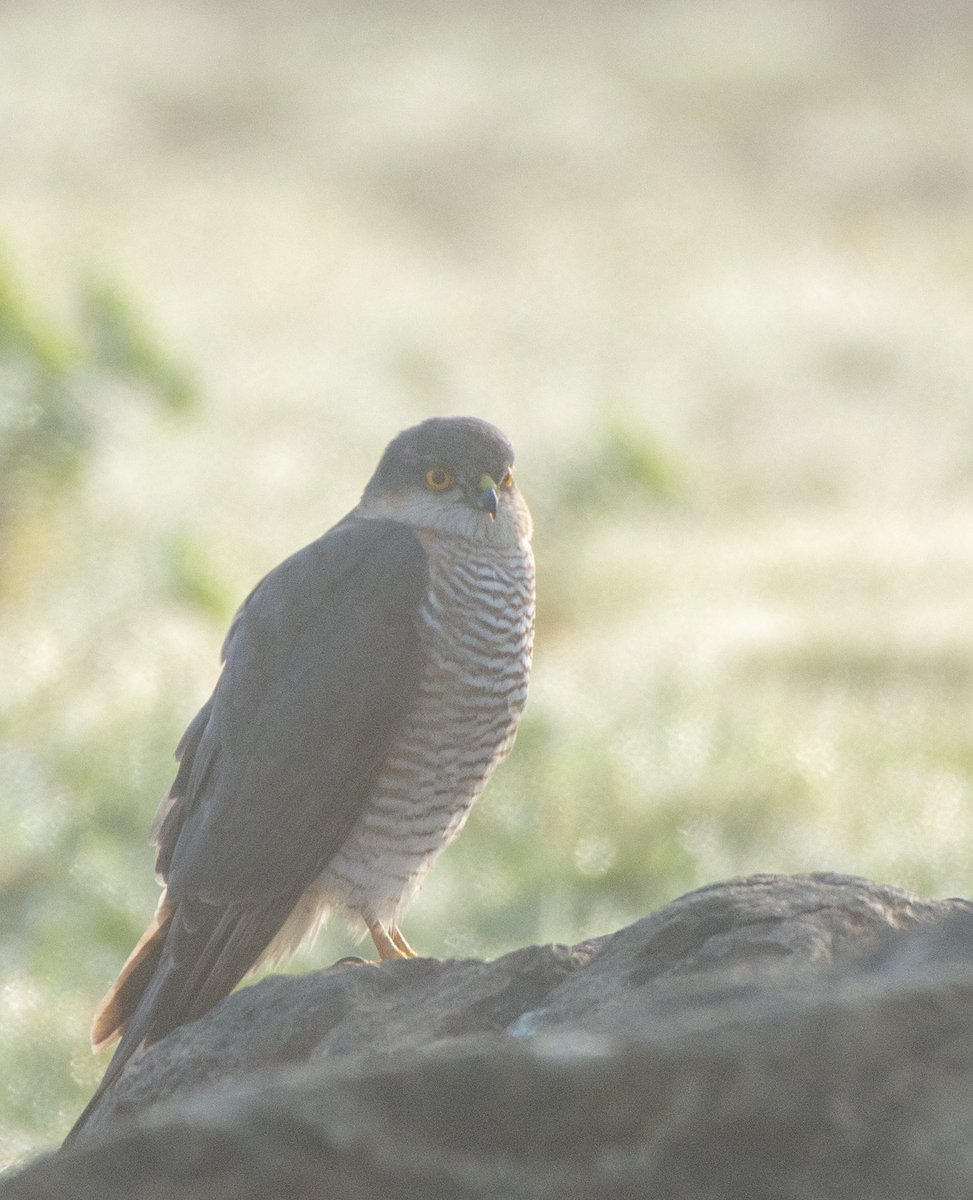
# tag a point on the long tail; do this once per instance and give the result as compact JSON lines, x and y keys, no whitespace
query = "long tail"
{"x":117,"y":1008}
{"x":127,"y":1008}
{"x":190,"y":957}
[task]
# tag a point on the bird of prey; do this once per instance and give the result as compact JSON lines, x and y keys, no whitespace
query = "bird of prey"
{"x":370,"y":685}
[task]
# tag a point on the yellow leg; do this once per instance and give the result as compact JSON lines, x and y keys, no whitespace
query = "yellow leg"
{"x":396,"y":935}
{"x":385,"y":945}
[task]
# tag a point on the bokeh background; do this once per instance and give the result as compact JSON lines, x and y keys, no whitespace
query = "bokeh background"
{"x":709,"y":264}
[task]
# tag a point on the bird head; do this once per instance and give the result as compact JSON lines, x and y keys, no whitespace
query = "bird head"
{"x":450,"y":475}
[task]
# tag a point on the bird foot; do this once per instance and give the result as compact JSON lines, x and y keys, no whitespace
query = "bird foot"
{"x":403,"y":946}
{"x":389,"y":944}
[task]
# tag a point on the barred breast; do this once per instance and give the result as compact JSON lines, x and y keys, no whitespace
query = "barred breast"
{"x":477,"y":630}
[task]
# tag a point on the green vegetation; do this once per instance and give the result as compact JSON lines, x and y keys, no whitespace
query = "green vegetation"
{"x":709,"y":267}
{"x":69,"y":827}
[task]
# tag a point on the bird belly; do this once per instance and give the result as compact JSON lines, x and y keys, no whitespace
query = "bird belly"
{"x":477,"y":625}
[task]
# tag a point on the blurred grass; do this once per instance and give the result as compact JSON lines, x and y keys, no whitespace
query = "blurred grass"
{"x":121,"y":341}
{"x":709,"y":266}
{"x":66,"y":787}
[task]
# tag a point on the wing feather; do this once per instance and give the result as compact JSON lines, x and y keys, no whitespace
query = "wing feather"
{"x":320,"y":666}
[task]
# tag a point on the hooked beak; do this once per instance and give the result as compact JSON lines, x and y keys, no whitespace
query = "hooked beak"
{"x":487,"y":496}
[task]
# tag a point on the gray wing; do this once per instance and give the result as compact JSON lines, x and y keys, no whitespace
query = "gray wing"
{"x":321,"y":664}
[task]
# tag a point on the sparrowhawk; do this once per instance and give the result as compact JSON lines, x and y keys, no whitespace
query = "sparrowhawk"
{"x":370,"y":685}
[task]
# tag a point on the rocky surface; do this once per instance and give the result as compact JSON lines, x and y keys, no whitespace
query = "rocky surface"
{"x":803,"y":1037}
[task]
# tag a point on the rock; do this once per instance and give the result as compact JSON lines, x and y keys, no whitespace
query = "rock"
{"x":808,"y":1036}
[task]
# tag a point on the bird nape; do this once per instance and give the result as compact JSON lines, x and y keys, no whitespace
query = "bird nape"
{"x":370,"y":685}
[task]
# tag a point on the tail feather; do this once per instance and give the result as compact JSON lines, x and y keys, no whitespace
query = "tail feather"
{"x":190,"y":957}
{"x":133,"y":1036}
{"x":123,"y":997}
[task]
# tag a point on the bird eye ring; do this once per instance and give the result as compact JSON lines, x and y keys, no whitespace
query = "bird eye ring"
{"x":439,"y":479}
{"x":508,"y":478}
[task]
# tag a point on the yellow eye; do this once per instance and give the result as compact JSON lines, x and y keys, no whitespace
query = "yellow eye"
{"x":508,"y":478}
{"x":439,"y":479}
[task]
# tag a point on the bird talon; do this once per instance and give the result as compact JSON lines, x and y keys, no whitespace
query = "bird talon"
{"x":390,"y":944}
{"x":403,"y":946}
